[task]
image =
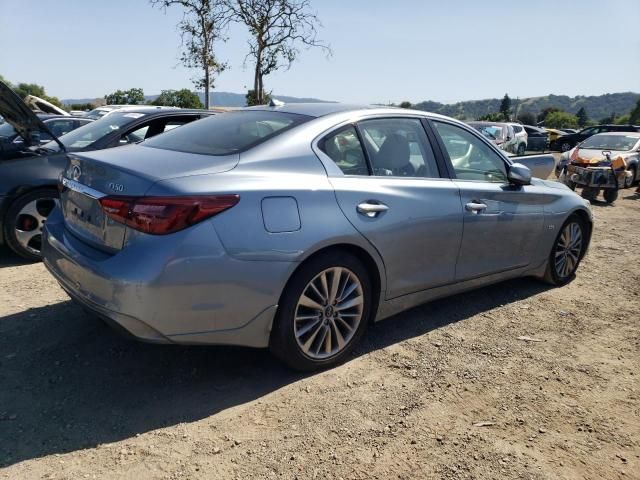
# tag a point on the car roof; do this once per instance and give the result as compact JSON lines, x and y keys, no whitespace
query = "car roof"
{"x":313,"y":109}
{"x":50,"y":116}
{"x":148,"y":109}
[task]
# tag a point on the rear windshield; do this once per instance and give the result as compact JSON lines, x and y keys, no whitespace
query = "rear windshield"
{"x":227,"y":133}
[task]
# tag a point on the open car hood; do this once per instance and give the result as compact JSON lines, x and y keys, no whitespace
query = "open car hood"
{"x":39,"y":104}
{"x":21,"y":117}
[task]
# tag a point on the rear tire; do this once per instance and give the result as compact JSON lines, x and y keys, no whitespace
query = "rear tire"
{"x":24,"y":221}
{"x":313,"y":307}
{"x":565,"y":147}
{"x":567,"y":251}
{"x":521,"y":149}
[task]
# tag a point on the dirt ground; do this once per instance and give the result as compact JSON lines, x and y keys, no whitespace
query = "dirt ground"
{"x":447,"y":390}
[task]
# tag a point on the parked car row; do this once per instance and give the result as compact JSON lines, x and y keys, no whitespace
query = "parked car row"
{"x":285,"y":226}
{"x":565,"y":142}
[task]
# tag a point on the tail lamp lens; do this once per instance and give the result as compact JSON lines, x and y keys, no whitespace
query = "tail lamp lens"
{"x":163,"y":215}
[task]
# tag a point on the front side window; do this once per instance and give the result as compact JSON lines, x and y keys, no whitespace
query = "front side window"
{"x":399,"y":147}
{"x":471,"y":158}
{"x":227,"y":133}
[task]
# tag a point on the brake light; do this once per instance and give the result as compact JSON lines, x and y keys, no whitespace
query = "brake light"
{"x":163,"y":215}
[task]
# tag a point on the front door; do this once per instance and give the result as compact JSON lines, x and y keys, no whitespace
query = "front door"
{"x":502,"y":222}
{"x":392,"y":192}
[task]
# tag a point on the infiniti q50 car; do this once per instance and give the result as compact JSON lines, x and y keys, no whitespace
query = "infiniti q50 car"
{"x":295,"y":226}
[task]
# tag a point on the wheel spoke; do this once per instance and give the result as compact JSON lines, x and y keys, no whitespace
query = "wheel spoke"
{"x":307,"y":302}
{"x":308,"y":327}
{"x":24,"y":237}
{"x":338,"y":334}
{"x":349,"y":303}
{"x":335,"y":283}
{"x":348,"y":290}
{"x":32,"y":210}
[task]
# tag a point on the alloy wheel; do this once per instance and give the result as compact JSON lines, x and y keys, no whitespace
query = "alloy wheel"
{"x":328,"y":313}
{"x":568,"y":249}
{"x":30,"y":221}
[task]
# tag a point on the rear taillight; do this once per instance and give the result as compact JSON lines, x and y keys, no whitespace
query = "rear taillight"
{"x":162,"y":215}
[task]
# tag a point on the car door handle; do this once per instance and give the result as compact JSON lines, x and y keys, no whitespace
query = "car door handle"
{"x":475,"y":207}
{"x":371,"y":209}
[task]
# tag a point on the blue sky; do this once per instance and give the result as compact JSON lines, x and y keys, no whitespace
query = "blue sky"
{"x":383,"y":50}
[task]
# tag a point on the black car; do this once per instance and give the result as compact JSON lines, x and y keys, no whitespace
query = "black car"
{"x":567,"y":142}
{"x":11,"y":141}
{"x":537,"y":138}
{"x":29,"y":175}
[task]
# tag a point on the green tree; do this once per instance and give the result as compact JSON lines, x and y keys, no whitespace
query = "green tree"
{"x":82,"y":106}
{"x":252,"y":98}
{"x":25,"y":89}
{"x":623,"y":119}
{"x":133,"y":96}
{"x":634,"y":116}
{"x":406,"y":104}
{"x":527,"y":118}
{"x":561,"y":120}
{"x":183,"y":98}
{"x":5,"y":81}
{"x":608,"y":120}
{"x":542,"y":116}
{"x":492,"y":117}
{"x":505,"y":107}
{"x":583,"y":118}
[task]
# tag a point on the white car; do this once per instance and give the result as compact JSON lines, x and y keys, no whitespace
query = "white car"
{"x":104,"y":110}
{"x":501,"y":134}
{"x":522,"y":138}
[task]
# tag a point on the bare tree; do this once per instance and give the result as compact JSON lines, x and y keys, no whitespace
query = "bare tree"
{"x":278,"y":28}
{"x":202,"y":25}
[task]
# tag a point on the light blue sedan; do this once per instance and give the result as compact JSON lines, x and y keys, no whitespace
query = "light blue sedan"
{"x":294,"y":226}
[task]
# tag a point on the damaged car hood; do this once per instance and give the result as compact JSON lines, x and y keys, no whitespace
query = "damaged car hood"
{"x":16,"y":112}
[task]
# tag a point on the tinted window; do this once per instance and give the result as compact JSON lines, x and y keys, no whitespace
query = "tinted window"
{"x":399,"y":147}
{"x":60,"y":127}
{"x":344,"y":148}
{"x":471,"y":158}
{"x":610,"y":142}
{"x":227,"y":133}
{"x":517,"y":128}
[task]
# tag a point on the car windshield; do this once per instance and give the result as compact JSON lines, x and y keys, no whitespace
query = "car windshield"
{"x":227,"y":133}
{"x":87,"y":134}
{"x":621,"y":143}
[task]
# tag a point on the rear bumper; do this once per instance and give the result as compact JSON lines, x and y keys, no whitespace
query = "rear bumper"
{"x":180,"y":288}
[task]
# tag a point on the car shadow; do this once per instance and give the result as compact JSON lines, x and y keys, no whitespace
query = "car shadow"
{"x":10,"y":259}
{"x":69,"y":382}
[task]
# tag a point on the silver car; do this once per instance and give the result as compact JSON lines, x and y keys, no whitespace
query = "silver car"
{"x":293,"y":227}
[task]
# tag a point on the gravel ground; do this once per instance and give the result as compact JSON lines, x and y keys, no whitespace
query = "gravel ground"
{"x":447,"y":390}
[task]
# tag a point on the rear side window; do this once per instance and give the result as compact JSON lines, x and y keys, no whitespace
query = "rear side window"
{"x":227,"y":133}
{"x":517,"y":128}
{"x":344,"y":148}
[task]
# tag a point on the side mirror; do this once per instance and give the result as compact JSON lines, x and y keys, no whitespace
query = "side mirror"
{"x":519,"y":174}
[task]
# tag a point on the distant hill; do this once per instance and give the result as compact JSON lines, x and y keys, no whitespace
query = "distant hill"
{"x":219,"y":99}
{"x":597,"y":107}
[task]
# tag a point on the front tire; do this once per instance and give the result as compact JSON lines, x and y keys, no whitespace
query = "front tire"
{"x":628,"y":182}
{"x":566,"y":253}
{"x":24,"y":221}
{"x":590,"y":193}
{"x":323,"y":313}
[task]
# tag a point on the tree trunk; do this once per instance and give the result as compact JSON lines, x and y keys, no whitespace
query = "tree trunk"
{"x":206,"y":87}
{"x":257,"y":79}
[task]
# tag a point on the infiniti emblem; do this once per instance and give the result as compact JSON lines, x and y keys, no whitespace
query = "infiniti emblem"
{"x":75,"y":172}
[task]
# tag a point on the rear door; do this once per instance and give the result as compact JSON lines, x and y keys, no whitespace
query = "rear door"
{"x":391,"y":190}
{"x":502,"y":222}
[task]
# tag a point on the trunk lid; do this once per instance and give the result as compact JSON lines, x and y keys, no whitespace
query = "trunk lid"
{"x":126,"y":171}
